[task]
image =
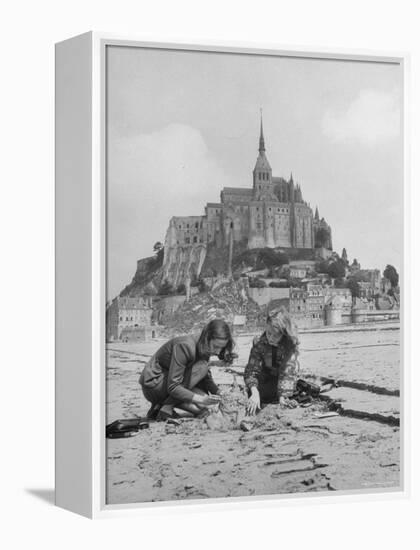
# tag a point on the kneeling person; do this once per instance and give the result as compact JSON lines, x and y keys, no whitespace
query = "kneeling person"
{"x":178,"y":374}
{"x":272,"y":369}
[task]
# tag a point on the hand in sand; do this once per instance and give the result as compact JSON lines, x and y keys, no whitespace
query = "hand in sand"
{"x":286,"y":403}
{"x":206,"y":400}
{"x":253,"y":402}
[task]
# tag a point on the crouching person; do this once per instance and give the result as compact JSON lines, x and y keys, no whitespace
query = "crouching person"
{"x":178,"y":374}
{"x":272,"y":369}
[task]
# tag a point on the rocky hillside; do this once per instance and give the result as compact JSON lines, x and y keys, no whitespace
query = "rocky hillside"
{"x":148,"y":276}
{"x":225,"y":302}
{"x":209,"y":262}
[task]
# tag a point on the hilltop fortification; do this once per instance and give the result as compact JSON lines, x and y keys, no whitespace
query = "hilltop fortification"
{"x":272,"y":213}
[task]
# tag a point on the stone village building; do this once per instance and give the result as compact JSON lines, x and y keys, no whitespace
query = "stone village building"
{"x":315,"y":306}
{"x":306,"y":306}
{"x":130,"y":318}
{"x":272,"y":213}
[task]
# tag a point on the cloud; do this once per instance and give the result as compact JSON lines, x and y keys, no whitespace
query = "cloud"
{"x":152,"y":177}
{"x":372,"y":118}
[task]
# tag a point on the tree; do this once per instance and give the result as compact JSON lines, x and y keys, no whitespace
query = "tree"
{"x":268,"y":258}
{"x":257,"y":283}
{"x":392,"y":275}
{"x":337,"y":269}
{"x":157,"y":247}
{"x":295,"y":283}
{"x":354,"y":287}
{"x":321,"y":266}
{"x":340,"y":283}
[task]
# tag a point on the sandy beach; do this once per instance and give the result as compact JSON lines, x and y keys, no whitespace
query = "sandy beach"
{"x":286,"y":451}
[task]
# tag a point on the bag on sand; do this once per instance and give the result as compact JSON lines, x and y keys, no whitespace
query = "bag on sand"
{"x":126,"y":427}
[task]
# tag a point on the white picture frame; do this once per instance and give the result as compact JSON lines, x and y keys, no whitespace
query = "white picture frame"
{"x":81,"y":271}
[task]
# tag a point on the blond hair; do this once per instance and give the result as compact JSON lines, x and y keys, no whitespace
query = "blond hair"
{"x":281,"y":322}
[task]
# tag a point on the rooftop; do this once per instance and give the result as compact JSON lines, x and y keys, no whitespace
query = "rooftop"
{"x":238,"y":190}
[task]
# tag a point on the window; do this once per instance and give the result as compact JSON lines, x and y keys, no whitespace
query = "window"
{"x":196,"y":225}
{"x":187,"y":240}
{"x":195,"y":239}
{"x":188,"y":224}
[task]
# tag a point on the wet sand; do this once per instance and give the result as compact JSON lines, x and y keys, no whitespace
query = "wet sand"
{"x":285,"y":451}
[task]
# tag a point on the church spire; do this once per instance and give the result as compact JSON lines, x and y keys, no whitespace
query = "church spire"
{"x":316,"y":214}
{"x":262,"y":144}
{"x":262,"y":176}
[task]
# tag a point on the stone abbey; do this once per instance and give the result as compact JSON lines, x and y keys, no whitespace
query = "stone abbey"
{"x":272,"y":213}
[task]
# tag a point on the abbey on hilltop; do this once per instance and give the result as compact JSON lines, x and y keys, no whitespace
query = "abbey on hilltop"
{"x":272,"y":213}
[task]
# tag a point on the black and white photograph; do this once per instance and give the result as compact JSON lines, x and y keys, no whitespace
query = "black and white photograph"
{"x":254,"y":264}
{"x":210,"y":259}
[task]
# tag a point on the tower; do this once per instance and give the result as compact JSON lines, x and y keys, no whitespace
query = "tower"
{"x":262,"y":174}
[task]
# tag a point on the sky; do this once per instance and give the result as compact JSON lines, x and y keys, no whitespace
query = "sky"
{"x":181,"y":125}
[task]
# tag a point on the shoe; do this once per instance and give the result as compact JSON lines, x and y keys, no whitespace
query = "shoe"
{"x":165,"y":412}
{"x":153,"y":411}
